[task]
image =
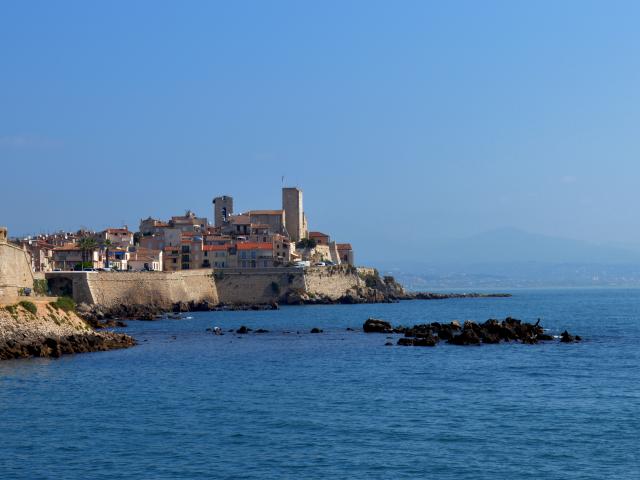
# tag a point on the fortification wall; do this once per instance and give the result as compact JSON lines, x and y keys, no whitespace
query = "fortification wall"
{"x":332,"y":282}
{"x":145,"y":288}
{"x":242,"y":286}
{"x":229,"y":286}
{"x":15,"y":271}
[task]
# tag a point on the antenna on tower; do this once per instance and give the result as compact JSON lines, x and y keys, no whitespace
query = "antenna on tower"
{"x":283,"y":180}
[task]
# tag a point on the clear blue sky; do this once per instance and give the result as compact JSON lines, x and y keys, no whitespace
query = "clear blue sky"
{"x":402,"y":121}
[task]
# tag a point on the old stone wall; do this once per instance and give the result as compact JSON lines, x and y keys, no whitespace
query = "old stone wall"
{"x":332,"y":282}
{"x":145,"y":288}
{"x":242,"y":286}
{"x":229,"y":286}
{"x":15,"y":271}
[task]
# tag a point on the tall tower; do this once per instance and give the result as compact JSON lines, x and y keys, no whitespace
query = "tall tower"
{"x":294,"y":218}
{"x":222,"y":210}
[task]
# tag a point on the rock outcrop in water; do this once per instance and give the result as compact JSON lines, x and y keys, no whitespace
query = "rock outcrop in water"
{"x":471,"y":333}
{"x":100,"y":316}
{"x":40,"y":329}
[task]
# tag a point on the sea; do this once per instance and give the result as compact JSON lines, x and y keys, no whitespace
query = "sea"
{"x":187,"y":404}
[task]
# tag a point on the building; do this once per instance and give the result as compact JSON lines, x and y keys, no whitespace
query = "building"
{"x":189,"y":222}
{"x":119,"y":237}
{"x":252,"y":255}
{"x":222,"y":210}
{"x":41,"y":254}
{"x":346,"y":253}
{"x":295,"y":219}
{"x":73,"y":257}
{"x":273,"y":220}
{"x":217,"y":255}
{"x":151,"y":226}
{"x":142,"y":259}
{"x":320,"y":238}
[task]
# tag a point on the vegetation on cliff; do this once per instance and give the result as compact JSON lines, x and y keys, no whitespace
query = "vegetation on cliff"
{"x":41,"y":329}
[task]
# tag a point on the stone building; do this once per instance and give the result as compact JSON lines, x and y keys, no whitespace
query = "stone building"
{"x":320,"y":238}
{"x":346,"y":253}
{"x":295,"y":219}
{"x":273,"y":219}
{"x":222,"y":210}
{"x":119,"y":237}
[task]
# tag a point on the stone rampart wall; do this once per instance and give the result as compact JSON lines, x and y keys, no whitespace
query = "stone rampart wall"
{"x":242,"y":286}
{"x":145,"y":288}
{"x":332,"y":282}
{"x":15,"y":271}
{"x":229,"y":286}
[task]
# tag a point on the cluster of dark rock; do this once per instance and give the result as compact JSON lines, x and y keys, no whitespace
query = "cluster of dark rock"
{"x":244,"y":330}
{"x":445,"y":296}
{"x":375,"y":295}
{"x":100,"y":316}
{"x":57,"y":346}
{"x":353,"y":296}
{"x":470,"y":333}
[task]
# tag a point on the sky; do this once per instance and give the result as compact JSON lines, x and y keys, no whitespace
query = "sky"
{"x":403,"y":122}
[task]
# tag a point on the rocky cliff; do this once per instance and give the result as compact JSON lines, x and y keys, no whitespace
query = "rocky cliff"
{"x":41,"y":328}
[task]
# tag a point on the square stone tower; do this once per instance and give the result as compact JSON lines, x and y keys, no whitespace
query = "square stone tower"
{"x":222,"y":210}
{"x":294,"y":218}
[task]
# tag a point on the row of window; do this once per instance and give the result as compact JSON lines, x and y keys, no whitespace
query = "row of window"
{"x":254,"y":264}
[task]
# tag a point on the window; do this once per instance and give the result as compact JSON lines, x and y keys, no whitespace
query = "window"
{"x":206,"y":254}
{"x":175,"y":260}
{"x":264,"y":264}
{"x":185,"y":258}
{"x":185,"y":248}
{"x":253,"y":254}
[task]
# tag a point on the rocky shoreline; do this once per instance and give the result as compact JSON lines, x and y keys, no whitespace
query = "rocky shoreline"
{"x":470,"y":333}
{"x":100,"y":316}
{"x":40,"y":329}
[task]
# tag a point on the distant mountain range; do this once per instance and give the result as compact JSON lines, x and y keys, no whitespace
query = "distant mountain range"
{"x":512,"y":257}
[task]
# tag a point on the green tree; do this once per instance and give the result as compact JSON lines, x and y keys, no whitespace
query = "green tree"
{"x":107,"y":244}
{"x":87,"y":245}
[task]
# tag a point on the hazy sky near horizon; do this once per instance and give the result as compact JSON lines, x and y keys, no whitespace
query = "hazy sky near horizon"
{"x":401,"y":121}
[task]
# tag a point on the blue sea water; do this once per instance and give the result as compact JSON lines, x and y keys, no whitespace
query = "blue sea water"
{"x":188,"y":404}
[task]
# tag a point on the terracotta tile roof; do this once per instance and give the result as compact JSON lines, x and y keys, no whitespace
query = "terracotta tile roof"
{"x":317,"y":234}
{"x":143,"y":258}
{"x":117,"y":230}
{"x":254,"y":246}
{"x":215,"y":248}
{"x":68,"y":248}
{"x":344,"y":246}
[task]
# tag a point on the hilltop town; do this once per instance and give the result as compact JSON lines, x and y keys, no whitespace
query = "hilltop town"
{"x":255,"y":239}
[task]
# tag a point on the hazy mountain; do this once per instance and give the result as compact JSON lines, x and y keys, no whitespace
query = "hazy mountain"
{"x":511,"y":257}
{"x":509,"y":245}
